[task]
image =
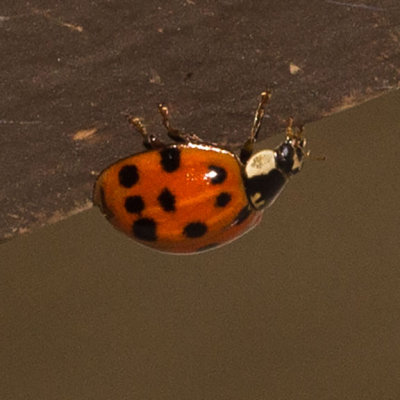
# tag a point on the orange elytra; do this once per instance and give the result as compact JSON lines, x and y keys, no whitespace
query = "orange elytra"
{"x":191,"y":196}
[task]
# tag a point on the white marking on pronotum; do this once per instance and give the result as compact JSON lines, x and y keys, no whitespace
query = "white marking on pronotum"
{"x":261,"y":163}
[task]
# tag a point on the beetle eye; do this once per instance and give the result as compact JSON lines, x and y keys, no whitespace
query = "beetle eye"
{"x":286,"y":151}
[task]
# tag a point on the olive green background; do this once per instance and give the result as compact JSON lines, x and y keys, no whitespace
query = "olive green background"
{"x":306,"y":306}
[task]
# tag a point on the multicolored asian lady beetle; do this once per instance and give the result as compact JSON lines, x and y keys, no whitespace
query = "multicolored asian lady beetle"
{"x":192,"y":196}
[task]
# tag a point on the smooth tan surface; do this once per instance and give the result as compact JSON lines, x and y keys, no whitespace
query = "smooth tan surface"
{"x":306,"y":306}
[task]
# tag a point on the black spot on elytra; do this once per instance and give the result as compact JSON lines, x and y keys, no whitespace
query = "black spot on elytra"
{"x":242,"y":215}
{"x":166,"y":200}
{"x":207,"y":247}
{"x":195,"y":229}
{"x":145,"y":229}
{"x":134,"y":204}
{"x":170,"y":159}
{"x":128,"y":175}
{"x":223,"y":199}
{"x":218,"y":174}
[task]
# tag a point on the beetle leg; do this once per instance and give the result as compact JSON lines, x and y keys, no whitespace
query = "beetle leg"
{"x":149,"y":141}
{"x":248,"y":146}
{"x":176,"y":134}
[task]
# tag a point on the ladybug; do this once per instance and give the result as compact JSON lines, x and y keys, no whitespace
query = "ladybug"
{"x":191,"y":196}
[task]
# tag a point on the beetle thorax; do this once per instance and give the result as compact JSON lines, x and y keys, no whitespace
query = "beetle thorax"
{"x":263,"y":180}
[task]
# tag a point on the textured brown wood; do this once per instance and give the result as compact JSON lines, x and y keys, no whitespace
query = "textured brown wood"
{"x":71,"y":70}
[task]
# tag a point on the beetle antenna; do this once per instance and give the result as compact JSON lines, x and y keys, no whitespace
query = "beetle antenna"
{"x":315,"y":158}
{"x":291,"y":133}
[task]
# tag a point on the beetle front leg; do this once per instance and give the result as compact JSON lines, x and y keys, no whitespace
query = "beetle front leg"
{"x":248,"y":146}
{"x":149,"y":141}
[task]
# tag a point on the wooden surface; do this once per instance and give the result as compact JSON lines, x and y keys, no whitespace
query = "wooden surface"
{"x":71,"y":70}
